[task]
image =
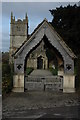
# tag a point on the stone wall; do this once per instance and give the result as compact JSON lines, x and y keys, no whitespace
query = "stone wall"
{"x":32,"y":59}
{"x":32,"y":63}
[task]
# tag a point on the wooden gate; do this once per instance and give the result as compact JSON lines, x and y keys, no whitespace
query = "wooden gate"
{"x":54,"y":83}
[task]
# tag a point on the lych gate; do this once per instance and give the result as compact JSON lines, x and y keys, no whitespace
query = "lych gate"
{"x":35,"y":53}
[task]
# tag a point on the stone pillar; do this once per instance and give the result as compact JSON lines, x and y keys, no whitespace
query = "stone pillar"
{"x":68,"y":83}
{"x":18,"y":83}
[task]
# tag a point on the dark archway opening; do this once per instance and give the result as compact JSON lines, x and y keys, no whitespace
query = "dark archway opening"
{"x":36,"y":58}
{"x":39,"y":63}
{"x":55,"y":60}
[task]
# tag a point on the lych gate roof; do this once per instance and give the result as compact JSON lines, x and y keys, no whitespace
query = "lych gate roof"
{"x":63,"y":44}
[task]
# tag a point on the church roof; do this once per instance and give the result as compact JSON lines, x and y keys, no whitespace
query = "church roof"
{"x":61,"y":41}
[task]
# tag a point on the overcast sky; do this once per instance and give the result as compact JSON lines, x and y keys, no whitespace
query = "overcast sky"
{"x":36,"y":13}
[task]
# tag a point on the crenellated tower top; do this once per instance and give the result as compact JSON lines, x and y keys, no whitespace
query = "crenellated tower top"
{"x":25,"y":20}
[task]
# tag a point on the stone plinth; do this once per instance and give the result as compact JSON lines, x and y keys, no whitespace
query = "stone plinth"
{"x":60,"y":73}
{"x":18,"y":83}
{"x":68,"y":83}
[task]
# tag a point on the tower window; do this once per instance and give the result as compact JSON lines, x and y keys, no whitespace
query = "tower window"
{"x":18,"y":28}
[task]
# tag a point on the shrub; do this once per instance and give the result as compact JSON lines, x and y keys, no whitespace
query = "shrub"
{"x":6,"y":84}
{"x":7,"y":78}
{"x":29,"y":70}
{"x":6,"y":70}
{"x":54,"y":71}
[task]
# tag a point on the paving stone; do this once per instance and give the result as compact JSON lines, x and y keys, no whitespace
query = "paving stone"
{"x":19,"y":103}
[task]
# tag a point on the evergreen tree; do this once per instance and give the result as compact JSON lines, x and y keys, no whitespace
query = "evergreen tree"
{"x":66,"y":21}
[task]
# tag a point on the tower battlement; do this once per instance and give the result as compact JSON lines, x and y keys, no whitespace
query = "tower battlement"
{"x":13,"y":21}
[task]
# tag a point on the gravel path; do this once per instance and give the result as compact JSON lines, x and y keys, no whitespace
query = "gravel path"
{"x":20,"y":102}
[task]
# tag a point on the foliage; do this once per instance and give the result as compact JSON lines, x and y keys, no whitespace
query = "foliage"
{"x":7,"y":74}
{"x":5,"y":69}
{"x":66,"y":21}
{"x":6,"y":84}
{"x":5,"y":57}
{"x":78,"y":73}
{"x":54,"y":71}
{"x":29,"y":70}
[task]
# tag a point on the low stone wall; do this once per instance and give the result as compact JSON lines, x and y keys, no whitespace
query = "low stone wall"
{"x":53,"y":83}
{"x":42,"y":86}
{"x":34,"y":86}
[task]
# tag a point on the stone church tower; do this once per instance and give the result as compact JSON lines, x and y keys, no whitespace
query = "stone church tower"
{"x":18,"y":34}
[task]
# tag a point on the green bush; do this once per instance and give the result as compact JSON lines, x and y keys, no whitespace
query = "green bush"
{"x":29,"y":70}
{"x":6,"y":84}
{"x":7,"y":74}
{"x":54,"y":71}
{"x":7,"y":78}
{"x":6,"y":70}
